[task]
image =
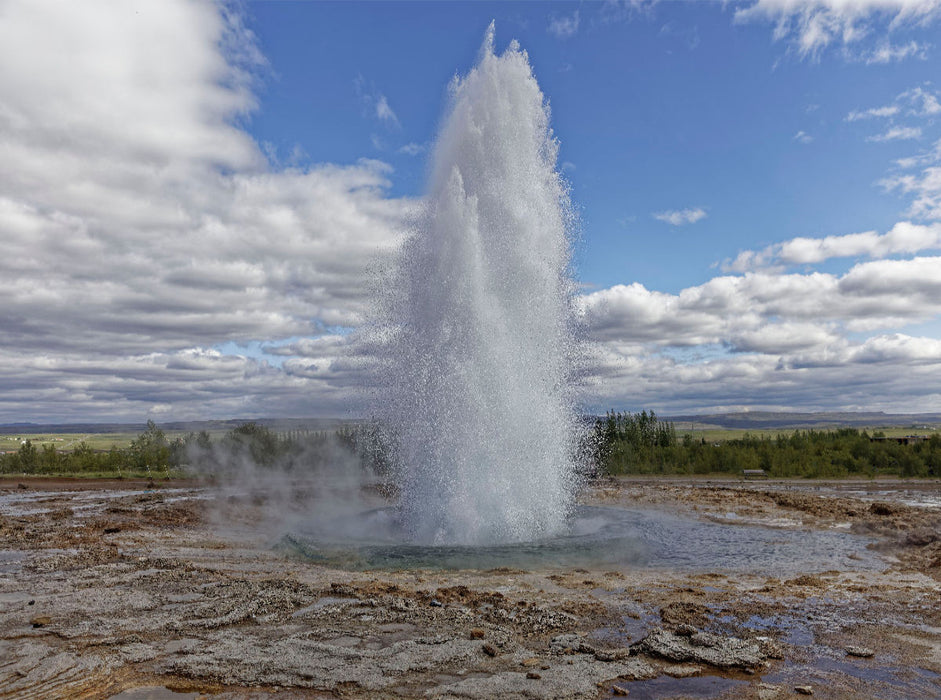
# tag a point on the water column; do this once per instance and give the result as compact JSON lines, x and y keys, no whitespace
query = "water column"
{"x":479,"y":371}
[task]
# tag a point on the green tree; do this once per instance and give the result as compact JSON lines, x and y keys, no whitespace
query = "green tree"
{"x":150,"y":450}
{"x":28,"y":457}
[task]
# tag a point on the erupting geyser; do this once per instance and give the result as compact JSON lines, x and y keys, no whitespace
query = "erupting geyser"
{"x":478,"y":398}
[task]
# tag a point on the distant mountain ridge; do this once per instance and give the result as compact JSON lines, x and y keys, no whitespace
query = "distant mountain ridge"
{"x":825,"y":419}
{"x":275,"y":424}
{"x":756,"y":420}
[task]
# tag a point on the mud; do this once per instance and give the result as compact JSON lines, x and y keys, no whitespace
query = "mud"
{"x":132,"y":590}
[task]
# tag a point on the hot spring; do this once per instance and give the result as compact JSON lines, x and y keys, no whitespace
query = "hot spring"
{"x":477,"y":396}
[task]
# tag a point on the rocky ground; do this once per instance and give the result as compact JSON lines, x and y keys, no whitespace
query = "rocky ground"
{"x":136,"y":590}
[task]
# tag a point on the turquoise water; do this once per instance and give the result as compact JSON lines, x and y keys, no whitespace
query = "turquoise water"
{"x":596,"y":537}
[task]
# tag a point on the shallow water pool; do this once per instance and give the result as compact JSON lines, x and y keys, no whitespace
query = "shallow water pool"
{"x":606,"y":537}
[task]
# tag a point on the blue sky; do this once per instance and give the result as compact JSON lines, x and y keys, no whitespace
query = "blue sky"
{"x":196,"y":198}
{"x":671,"y":107}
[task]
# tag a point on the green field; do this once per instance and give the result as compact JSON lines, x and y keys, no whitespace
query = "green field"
{"x":66,"y":442}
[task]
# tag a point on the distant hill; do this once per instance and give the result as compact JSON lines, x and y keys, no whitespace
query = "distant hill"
{"x":275,"y":424}
{"x":755,"y":420}
{"x":769,"y":420}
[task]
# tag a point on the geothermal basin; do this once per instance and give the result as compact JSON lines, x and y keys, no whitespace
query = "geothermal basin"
{"x":137,"y":590}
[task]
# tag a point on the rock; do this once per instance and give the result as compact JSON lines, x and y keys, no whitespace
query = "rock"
{"x":41,"y":621}
{"x":608,"y":655}
{"x":861,"y":652}
{"x":531,"y":661}
{"x":883,"y":508}
{"x":769,"y":691}
{"x":566,"y":644}
{"x":684,"y":613}
{"x":112,"y":530}
{"x":435,"y":603}
{"x":533,"y":676}
{"x":489,"y":649}
{"x":803,"y":690}
{"x":682,"y":670}
{"x":770,"y":648}
{"x":618,"y":690}
{"x":703,"y":647}
{"x":477,"y":633}
{"x":686,"y":630}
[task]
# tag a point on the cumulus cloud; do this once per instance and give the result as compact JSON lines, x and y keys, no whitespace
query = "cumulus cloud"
{"x":770,"y":340}
{"x":834,"y":378}
{"x":903,"y":237}
{"x":812,"y":25}
{"x":141,"y":226}
{"x":564,"y":27}
{"x":870,"y":295}
{"x":157,"y":261}
{"x":680,"y":217}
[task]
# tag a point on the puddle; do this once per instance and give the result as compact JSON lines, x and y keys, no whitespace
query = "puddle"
{"x":598,"y":537}
{"x":669,"y":687}
{"x":84,"y":503}
{"x":885,"y":681}
{"x":11,"y":560}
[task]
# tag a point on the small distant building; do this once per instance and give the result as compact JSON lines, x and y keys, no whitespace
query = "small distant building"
{"x":902,"y":440}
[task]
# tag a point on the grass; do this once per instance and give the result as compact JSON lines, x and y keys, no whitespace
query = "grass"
{"x":157,"y":475}
{"x":66,"y":442}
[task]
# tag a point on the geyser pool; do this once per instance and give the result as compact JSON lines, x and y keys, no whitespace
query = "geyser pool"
{"x":479,"y":313}
{"x":595,"y":537}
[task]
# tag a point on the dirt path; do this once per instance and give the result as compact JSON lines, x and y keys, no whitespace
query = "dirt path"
{"x":131,"y":590}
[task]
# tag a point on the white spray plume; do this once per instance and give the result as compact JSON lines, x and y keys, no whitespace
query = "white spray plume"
{"x":479,"y":373}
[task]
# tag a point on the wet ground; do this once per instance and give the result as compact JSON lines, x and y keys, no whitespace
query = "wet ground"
{"x":734,"y":589}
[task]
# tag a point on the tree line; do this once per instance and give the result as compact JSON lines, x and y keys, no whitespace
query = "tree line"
{"x":620,"y":443}
{"x":154,"y":454}
{"x":642,"y":443}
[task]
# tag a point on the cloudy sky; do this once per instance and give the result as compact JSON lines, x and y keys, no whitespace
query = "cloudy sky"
{"x":197,"y":200}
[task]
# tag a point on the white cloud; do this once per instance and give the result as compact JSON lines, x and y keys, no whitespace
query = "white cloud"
{"x":140,"y":226}
{"x":142,"y":230}
{"x":927,"y":188}
{"x":887,"y":53}
{"x":412,"y":149}
{"x":564,"y":27}
{"x":920,"y":102}
{"x":680,"y":217}
{"x":771,"y":340}
{"x":924,"y":103}
{"x":384,"y":111}
{"x":803,"y":137}
{"x":903,"y":237}
{"x":870,"y":295}
{"x":880,"y":112}
{"x":812,"y":25}
{"x":897,"y":133}
{"x":376,"y":103}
